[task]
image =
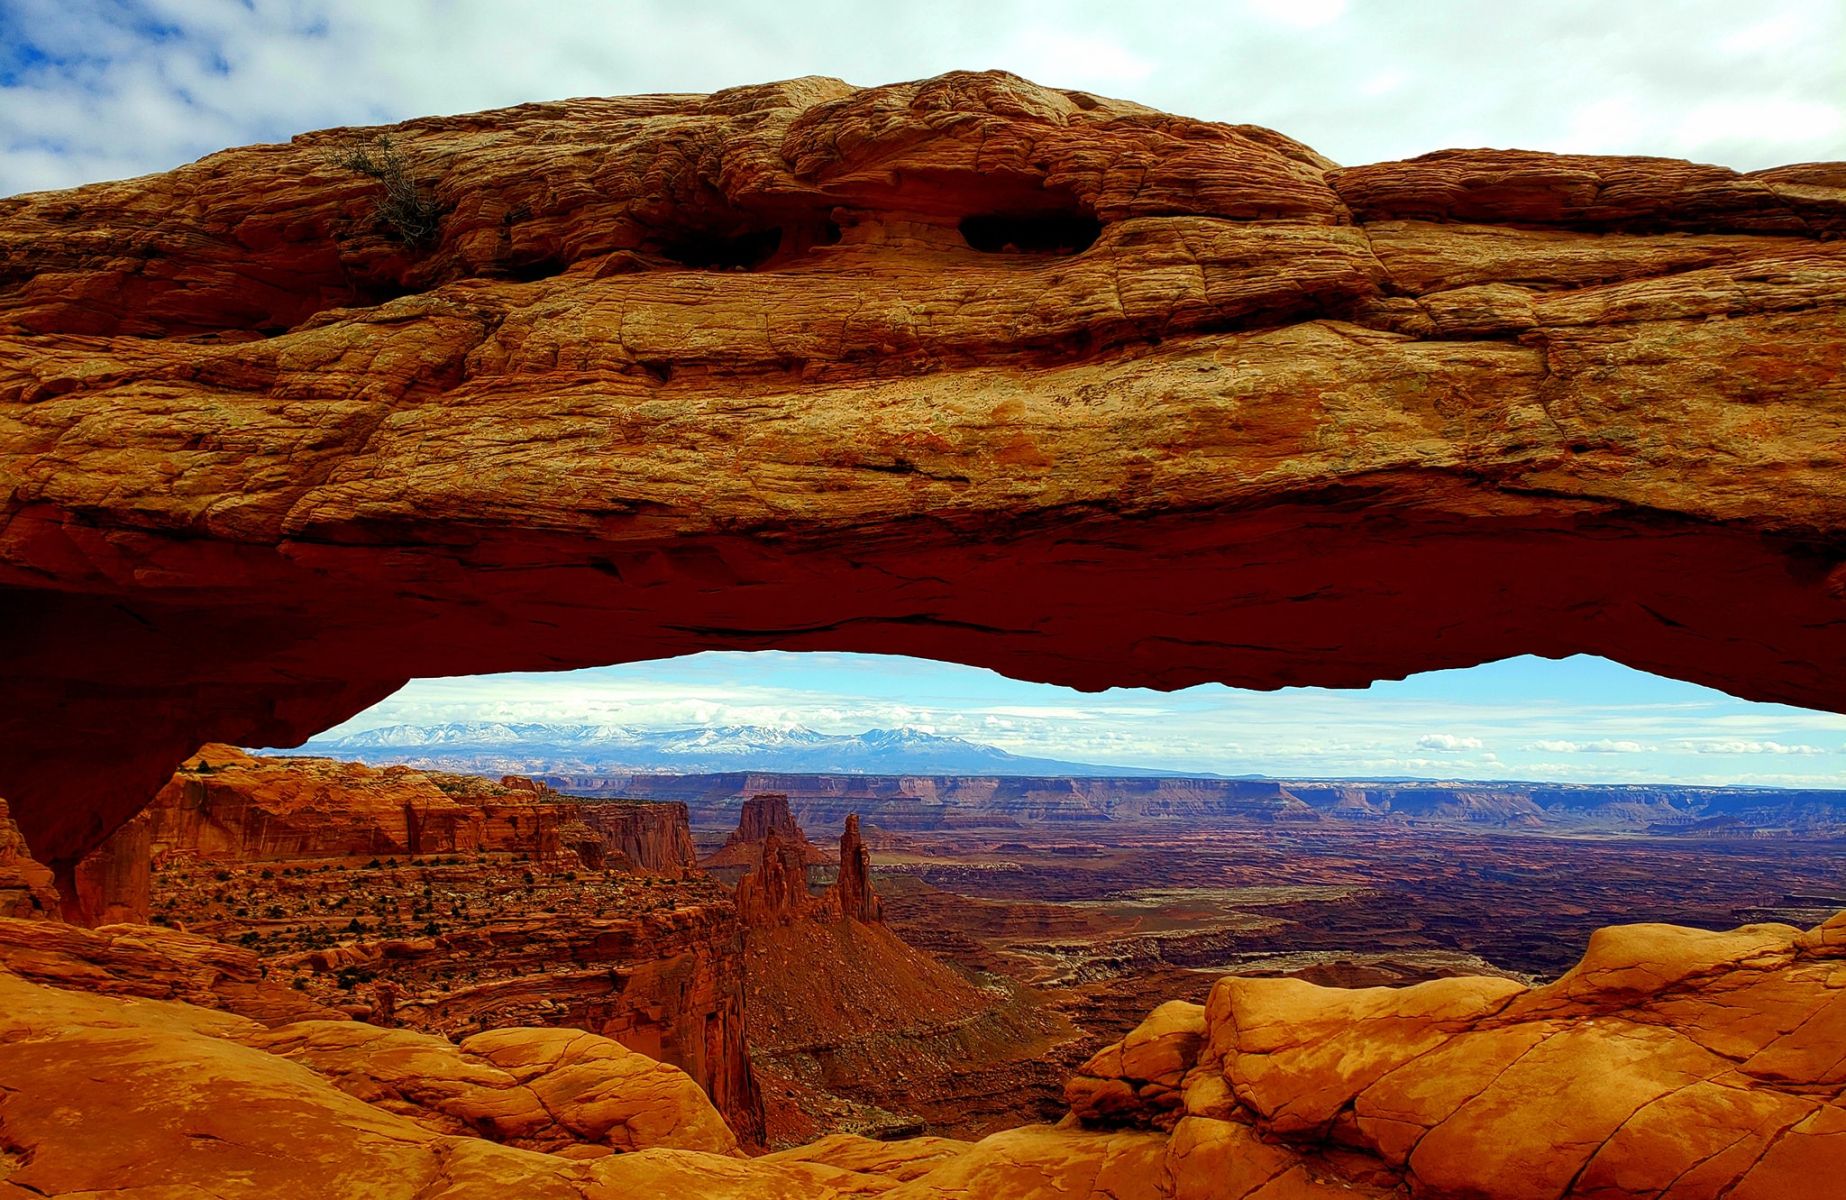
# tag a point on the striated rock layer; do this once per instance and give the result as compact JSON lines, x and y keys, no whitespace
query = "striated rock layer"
{"x":224,"y":805}
{"x":966,"y":368}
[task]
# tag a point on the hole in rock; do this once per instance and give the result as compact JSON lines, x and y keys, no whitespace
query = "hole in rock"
{"x":1031,"y":232}
{"x":706,"y":251}
{"x":537,"y":268}
{"x":855,"y":850}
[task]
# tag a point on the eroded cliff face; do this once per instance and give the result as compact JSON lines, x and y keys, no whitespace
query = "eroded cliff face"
{"x":26,"y":889}
{"x":224,"y":805}
{"x":965,"y":368}
{"x":854,"y":1030}
{"x":667,"y":982}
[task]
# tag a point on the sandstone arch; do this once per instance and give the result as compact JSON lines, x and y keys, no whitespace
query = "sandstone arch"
{"x":1280,"y":423}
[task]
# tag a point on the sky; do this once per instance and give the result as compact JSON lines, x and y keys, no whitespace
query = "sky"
{"x":1581,"y":719}
{"x":92,"y":90}
{"x":102,"y":89}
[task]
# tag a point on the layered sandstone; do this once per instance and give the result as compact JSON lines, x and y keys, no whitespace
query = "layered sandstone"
{"x":156,"y":964}
{"x":541,"y":1089}
{"x":775,"y":891}
{"x":227,"y":806}
{"x":966,"y":368}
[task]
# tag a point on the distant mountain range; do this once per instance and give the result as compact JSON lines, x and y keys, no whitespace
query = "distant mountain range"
{"x":524,"y":748}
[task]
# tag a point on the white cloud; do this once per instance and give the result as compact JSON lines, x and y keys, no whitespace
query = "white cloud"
{"x":1752,"y":747}
{"x":1447,"y":741}
{"x":1599,"y":746}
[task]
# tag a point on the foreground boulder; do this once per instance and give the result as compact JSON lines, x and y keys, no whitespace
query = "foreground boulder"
{"x":965,"y":368}
{"x":1670,"y":1061}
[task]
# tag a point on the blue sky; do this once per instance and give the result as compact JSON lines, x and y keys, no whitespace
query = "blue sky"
{"x":91,"y":90}
{"x":1583,"y":719}
{"x":97,"y":89}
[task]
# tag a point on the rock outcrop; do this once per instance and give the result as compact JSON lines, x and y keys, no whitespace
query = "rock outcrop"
{"x":964,"y":368}
{"x":851,"y":1028}
{"x":163,"y":1097}
{"x":667,"y":982}
{"x":540,"y":1089}
{"x":25,"y":885}
{"x":225,"y":805}
{"x":775,"y":892}
{"x":852,"y":889}
{"x":761,"y":815}
{"x":1670,"y":1061}
{"x":155,"y":964}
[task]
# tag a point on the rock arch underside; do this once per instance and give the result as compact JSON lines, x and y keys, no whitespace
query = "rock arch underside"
{"x":970,"y":369}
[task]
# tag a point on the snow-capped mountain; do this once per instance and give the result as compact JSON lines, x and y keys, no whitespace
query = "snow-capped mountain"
{"x":529,"y":748}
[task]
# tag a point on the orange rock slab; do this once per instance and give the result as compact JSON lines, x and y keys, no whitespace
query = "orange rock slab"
{"x":1670,"y":1062}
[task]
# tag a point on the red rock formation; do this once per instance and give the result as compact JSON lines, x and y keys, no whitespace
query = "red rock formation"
{"x":853,"y":894}
{"x":225,"y":804}
{"x":776,"y":891}
{"x":964,"y":368}
{"x":228,"y":806}
{"x":557,"y":1090}
{"x":110,"y":885}
{"x":761,"y":815}
{"x":646,"y":836}
{"x":25,"y":885}
{"x":866,"y":1031}
{"x":666,"y":980}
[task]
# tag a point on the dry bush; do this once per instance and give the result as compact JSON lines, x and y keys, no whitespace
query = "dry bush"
{"x":405,"y":211}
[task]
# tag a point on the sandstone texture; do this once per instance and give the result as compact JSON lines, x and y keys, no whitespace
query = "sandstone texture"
{"x":253,"y":871}
{"x":152,"y":963}
{"x":966,"y":368}
{"x":1671,"y":1062}
{"x":542,"y":1089}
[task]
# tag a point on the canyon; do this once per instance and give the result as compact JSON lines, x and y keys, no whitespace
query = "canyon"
{"x":455,"y":905}
{"x":1668,"y":1061}
{"x":965,"y":368}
